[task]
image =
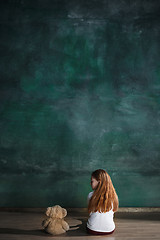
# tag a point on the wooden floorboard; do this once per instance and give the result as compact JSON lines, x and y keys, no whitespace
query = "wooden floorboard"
{"x":129,"y":225}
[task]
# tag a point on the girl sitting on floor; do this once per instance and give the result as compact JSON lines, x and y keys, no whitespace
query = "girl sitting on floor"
{"x":102,"y":203}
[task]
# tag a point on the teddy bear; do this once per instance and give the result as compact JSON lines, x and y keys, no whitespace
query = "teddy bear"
{"x":55,"y":223}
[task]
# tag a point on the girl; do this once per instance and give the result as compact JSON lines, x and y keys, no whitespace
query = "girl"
{"x":102,"y":203}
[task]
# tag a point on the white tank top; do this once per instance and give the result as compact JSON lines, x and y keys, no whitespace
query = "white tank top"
{"x":100,"y":222}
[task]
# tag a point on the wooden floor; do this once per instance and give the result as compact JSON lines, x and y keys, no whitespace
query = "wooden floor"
{"x":27,"y":225}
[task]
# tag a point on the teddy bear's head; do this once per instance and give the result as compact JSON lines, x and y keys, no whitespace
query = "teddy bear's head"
{"x":56,"y":212}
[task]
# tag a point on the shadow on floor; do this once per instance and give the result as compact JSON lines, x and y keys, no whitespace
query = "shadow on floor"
{"x":77,"y":230}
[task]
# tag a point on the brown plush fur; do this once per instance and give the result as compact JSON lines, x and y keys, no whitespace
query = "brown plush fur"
{"x":55,"y":223}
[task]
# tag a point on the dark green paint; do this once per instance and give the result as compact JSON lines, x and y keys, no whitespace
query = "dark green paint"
{"x":80,"y":90}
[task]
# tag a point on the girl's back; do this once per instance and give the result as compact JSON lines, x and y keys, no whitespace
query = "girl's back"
{"x":100,"y":222}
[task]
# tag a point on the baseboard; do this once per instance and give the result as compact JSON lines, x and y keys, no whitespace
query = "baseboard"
{"x":83,"y":210}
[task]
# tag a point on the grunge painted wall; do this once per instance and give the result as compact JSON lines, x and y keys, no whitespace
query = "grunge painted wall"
{"x":80,"y":90}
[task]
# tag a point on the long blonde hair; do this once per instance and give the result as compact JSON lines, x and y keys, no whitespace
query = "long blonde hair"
{"x":104,"y":195}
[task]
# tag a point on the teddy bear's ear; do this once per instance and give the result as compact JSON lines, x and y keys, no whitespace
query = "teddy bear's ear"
{"x":64,"y":212}
{"x":53,"y":211}
{"x":48,"y":211}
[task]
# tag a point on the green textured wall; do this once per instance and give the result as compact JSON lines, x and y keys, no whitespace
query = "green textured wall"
{"x":80,"y":90}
